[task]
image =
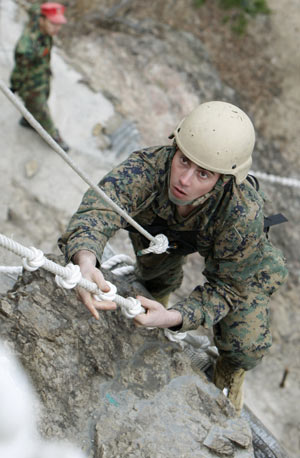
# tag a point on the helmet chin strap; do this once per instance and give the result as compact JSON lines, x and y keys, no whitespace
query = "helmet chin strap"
{"x":180,"y":202}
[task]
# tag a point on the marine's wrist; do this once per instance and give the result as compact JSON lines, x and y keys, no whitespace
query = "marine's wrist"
{"x":174,"y":319}
{"x":84,"y":257}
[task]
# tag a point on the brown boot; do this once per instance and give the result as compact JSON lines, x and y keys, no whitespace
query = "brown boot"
{"x":230,"y":378}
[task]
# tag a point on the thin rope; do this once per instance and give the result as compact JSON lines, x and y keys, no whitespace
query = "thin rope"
{"x":292,"y":182}
{"x":35,"y":259}
{"x":117,"y":259}
{"x":11,"y":269}
{"x":156,"y":244}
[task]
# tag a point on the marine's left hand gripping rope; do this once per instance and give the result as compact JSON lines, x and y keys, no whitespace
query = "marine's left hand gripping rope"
{"x":70,"y":276}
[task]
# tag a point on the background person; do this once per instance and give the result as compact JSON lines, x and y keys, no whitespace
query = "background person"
{"x":31,"y":75}
{"x":196,"y":193}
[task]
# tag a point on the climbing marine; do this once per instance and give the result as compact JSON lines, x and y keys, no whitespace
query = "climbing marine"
{"x":195,"y":191}
{"x":31,"y":75}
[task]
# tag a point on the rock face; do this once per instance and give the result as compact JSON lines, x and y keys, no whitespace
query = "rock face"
{"x":109,"y":387}
{"x":153,"y":75}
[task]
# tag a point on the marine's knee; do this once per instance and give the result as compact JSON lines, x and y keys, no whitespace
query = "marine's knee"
{"x":245,"y":359}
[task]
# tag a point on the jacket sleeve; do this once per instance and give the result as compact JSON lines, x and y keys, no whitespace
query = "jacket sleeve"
{"x":231,"y":269}
{"x":129,"y":186}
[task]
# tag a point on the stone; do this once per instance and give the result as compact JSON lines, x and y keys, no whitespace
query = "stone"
{"x":109,"y":387}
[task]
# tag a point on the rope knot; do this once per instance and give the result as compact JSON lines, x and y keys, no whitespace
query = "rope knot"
{"x":109,"y":296}
{"x":34,"y":261}
{"x":132,"y":307}
{"x":159,"y":245}
{"x":71,"y":278}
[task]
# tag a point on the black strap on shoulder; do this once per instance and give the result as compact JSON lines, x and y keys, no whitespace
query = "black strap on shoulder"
{"x":271,"y":220}
{"x":253,"y":181}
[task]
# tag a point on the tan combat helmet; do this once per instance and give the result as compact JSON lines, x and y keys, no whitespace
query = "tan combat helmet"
{"x":219,"y":137}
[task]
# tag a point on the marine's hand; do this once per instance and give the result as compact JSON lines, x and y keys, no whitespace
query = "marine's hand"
{"x":156,"y":315}
{"x":87,"y":263}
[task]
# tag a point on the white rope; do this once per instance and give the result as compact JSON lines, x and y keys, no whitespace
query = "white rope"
{"x":132,"y":308}
{"x":109,"y":296}
{"x":34,"y":261}
{"x":41,"y":131}
{"x":11,"y":269}
{"x":73,"y":277}
{"x":116,"y":259}
{"x":174,"y":336}
{"x":124,"y":270}
{"x":70,"y":276}
{"x":197,"y":341}
{"x":292,"y":182}
{"x":160,"y":245}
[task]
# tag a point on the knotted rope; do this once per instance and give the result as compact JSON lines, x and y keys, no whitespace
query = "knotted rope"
{"x":156,"y":246}
{"x":70,"y":276}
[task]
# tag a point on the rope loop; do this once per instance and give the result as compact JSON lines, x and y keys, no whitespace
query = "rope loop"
{"x":159,"y":245}
{"x":71,"y":278}
{"x":34,"y":261}
{"x":132,"y":307}
{"x":109,"y":296}
{"x":174,"y":336}
{"x":116,"y":259}
{"x":125,"y":270}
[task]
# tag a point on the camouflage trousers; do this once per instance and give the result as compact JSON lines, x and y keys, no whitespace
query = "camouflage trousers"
{"x":36,"y":102}
{"x":242,"y":337}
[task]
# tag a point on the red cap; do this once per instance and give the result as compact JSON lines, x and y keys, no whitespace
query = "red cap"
{"x":54,"y":12}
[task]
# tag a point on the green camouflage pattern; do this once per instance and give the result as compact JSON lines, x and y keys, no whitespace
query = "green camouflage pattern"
{"x":242,"y":268}
{"x":31,"y":74}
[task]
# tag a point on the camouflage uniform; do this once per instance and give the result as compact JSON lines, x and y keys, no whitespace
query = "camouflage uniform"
{"x":31,"y":75}
{"x":226,"y":227}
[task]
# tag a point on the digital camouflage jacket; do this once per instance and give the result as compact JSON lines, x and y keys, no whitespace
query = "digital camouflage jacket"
{"x":32,"y":58}
{"x":227,"y":225}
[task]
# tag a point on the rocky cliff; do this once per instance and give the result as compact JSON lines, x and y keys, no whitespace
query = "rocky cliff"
{"x":150,"y":73}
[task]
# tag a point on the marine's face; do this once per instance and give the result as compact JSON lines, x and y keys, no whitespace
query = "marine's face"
{"x":48,"y":27}
{"x":188,"y":181}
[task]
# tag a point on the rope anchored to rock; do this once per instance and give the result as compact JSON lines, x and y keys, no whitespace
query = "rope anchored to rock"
{"x":70,"y":276}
